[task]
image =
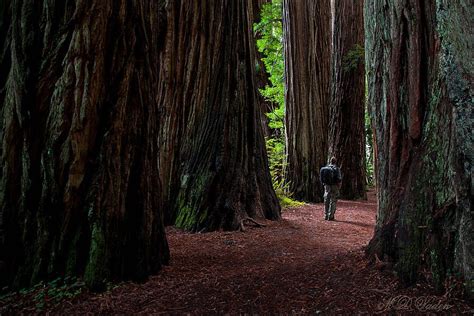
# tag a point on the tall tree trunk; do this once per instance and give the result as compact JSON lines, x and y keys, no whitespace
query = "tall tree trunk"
{"x":306,"y":28}
{"x":79,"y":179}
{"x":214,"y":161}
{"x":347,"y":110}
{"x":419,"y":67}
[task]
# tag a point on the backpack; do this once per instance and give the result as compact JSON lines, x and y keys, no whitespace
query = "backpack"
{"x":328,"y":175}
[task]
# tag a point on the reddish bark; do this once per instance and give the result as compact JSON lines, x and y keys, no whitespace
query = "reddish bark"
{"x":347,"y":111}
{"x":79,"y":186}
{"x":418,"y":93}
{"x":213,"y":162}
{"x":306,"y":27}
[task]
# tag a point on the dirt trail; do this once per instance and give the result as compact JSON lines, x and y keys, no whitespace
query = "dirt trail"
{"x":301,"y":265}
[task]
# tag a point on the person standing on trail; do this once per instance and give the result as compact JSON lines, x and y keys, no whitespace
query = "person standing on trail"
{"x":331,"y":178}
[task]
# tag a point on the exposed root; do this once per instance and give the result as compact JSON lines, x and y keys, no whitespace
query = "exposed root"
{"x":251,"y":220}
{"x":382,"y":265}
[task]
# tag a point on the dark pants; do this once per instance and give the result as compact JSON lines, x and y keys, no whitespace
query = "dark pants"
{"x":331,"y":193}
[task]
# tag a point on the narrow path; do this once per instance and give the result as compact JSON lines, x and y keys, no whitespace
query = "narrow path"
{"x":301,"y":264}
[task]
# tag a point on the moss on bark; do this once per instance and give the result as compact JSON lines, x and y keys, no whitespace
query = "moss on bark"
{"x":418,"y":94}
{"x":96,"y":272}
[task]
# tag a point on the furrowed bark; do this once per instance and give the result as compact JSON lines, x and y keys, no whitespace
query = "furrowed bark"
{"x":306,"y":27}
{"x":347,"y":110}
{"x":213,"y":163}
{"x":79,"y":179}
{"x":419,"y":67}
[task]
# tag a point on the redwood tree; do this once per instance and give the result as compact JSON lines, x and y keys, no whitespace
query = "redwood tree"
{"x":347,"y":110}
{"x":214,"y":164}
{"x":419,"y":67}
{"x":306,"y":26}
{"x":79,"y":179}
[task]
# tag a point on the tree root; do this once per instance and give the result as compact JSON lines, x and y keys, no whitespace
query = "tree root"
{"x":382,"y":265}
{"x":251,"y":220}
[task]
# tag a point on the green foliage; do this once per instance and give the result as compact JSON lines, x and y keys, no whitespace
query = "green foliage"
{"x":353,"y":58}
{"x":285,"y":199}
{"x":42,"y":295}
{"x":369,"y":147}
{"x":269,"y":34}
{"x":369,"y":153}
{"x":277,"y":160}
{"x":276,"y":119}
{"x":59,"y":290}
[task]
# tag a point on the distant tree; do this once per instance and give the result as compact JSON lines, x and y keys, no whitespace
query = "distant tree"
{"x":347,"y":119}
{"x":79,"y":185}
{"x":419,"y":67}
{"x":307,"y":42}
{"x":213,"y":162}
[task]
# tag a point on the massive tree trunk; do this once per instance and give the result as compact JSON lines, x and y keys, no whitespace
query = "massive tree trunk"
{"x":79,"y":179}
{"x":214,"y":161}
{"x":307,"y":37}
{"x":347,"y":110}
{"x":420,"y":69}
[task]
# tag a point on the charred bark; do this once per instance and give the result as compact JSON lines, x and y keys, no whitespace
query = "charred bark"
{"x":79,"y":179}
{"x":306,"y":28}
{"x":347,"y":109}
{"x":214,"y":164}
{"x":419,"y":67}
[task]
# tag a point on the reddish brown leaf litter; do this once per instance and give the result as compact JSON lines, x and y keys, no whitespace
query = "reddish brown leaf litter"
{"x":299,"y":265}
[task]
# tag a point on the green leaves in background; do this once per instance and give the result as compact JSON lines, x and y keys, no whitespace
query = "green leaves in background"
{"x":269,"y":34}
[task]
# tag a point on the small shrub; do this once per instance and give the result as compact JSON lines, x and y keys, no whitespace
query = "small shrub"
{"x":42,"y":295}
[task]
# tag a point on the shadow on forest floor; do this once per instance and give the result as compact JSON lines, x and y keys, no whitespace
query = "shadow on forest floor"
{"x":301,"y":264}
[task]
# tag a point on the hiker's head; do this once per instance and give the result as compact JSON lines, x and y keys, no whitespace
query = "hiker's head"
{"x":333,"y":160}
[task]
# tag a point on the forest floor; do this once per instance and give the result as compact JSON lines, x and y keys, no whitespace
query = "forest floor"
{"x":299,"y":265}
